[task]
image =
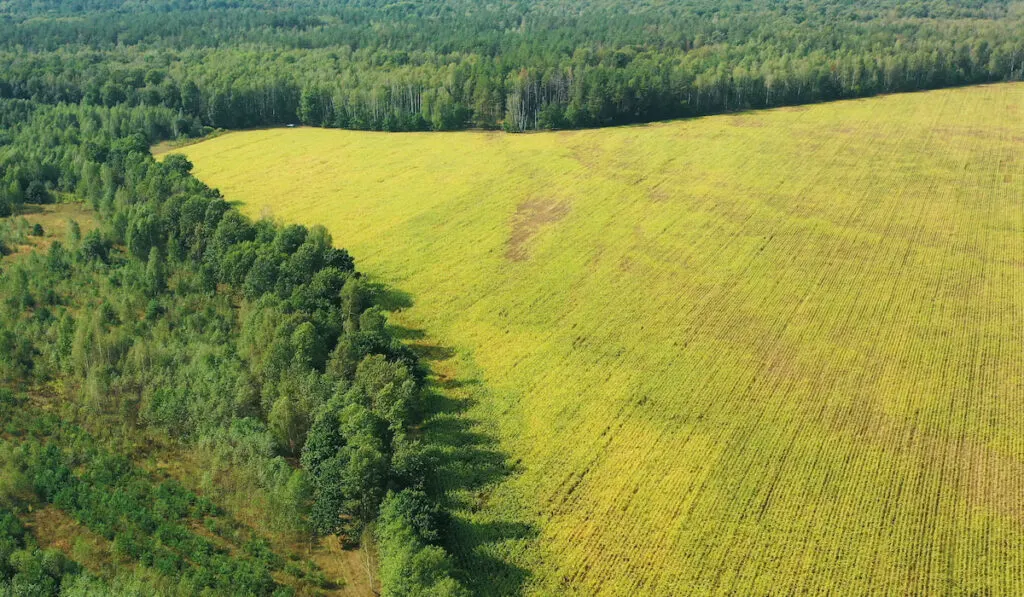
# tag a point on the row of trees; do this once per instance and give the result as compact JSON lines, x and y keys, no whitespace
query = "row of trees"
{"x":521,"y":66}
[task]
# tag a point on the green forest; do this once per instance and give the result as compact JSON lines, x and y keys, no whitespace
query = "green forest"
{"x":455,"y":64}
{"x":256,"y":346}
{"x":169,"y":324}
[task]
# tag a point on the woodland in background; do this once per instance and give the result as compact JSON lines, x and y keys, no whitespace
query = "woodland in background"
{"x":454,"y":64}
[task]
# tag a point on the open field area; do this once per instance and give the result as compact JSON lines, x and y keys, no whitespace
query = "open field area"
{"x":55,"y":220}
{"x":770,"y":352}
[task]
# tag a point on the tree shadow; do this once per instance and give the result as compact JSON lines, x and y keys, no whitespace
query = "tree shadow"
{"x":492,"y":575}
{"x":432,"y":352}
{"x":404,"y":333}
{"x":468,"y":465}
{"x":455,"y":384}
{"x":387,"y":298}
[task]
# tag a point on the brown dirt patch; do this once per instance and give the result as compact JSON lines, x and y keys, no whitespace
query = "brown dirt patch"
{"x":530,"y":217}
{"x":55,"y":529}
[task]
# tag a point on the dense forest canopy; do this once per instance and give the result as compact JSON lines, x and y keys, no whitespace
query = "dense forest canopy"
{"x":519,"y":65}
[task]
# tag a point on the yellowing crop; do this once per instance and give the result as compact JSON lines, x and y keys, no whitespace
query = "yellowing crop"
{"x":766,"y":353}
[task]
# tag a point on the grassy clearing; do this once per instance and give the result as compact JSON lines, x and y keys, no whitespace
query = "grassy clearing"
{"x":55,"y":220}
{"x":757,"y":353}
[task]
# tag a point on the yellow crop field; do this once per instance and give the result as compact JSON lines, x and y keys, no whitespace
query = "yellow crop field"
{"x":766,"y":353}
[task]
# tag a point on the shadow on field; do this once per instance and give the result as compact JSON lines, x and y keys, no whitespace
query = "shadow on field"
{"x":467,"y":466}
{"x":389,"y":299}
{"x":428,"y":352}
{"x":432,"y":352}
{"x":405,"y":333}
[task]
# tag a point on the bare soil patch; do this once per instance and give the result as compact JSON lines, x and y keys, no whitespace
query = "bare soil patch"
{"x":55,"y":529}
{"x":528,"y":220}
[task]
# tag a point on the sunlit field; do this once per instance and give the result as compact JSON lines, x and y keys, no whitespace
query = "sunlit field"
{"x":762,"y":353}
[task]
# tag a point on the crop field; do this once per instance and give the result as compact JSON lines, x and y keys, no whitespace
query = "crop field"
{"x":765,"y":353}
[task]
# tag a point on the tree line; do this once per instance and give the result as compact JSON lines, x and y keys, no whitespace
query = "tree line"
{"x":446,"y":65}
{"x":256,"y":344}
